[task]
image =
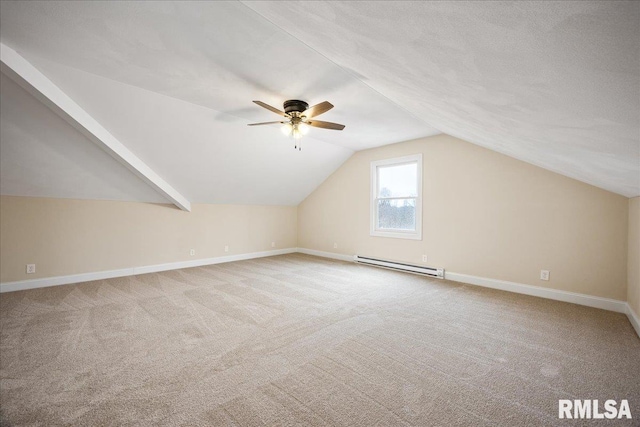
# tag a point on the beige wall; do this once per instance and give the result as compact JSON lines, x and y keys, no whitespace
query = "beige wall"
{"x":484,"y":214}
{"x":633,"y":268}
{"x":64,"y":236}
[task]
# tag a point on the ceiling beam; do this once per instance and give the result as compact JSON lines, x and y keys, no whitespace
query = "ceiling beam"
{"x":26,"y":75}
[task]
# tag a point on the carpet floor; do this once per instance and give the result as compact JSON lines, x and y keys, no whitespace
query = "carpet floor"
{"x":300,"y":340}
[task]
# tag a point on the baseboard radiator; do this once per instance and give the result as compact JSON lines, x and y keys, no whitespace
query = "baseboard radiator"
{"x":425,"y":271}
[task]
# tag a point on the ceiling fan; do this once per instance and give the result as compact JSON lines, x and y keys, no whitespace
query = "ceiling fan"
{"x":298,"y":117}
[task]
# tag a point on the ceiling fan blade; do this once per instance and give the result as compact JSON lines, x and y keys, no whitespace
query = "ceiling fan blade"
{"x":265,"y":123}
{"x":317,"y":109}
{"x":270,"y":108}
{"x":325,"y":125}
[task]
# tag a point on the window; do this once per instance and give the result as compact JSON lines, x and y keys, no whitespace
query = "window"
{"x":396,"y":197}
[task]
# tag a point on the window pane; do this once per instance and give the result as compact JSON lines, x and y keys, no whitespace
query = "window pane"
{"x":398,"y":181}
{"x":398,"y":214}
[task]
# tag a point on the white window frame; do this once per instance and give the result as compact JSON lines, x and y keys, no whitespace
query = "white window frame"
{"x":398,"y":234}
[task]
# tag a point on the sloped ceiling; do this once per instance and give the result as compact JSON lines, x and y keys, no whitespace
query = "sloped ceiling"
{"x":556,"y":84}
{"x":41,"y":155}
{"x":174,"y":83}
{"x":208,"y":156}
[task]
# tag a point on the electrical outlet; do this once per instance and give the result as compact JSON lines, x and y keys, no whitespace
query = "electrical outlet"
{"x":192,"y":252}
{"x":31,"y":268}
{"x":544,"y":274}
{"x":335,"y":246}
{"x":273,"y":244}
{"x":424,"y":258}
{"x":226,"y":248}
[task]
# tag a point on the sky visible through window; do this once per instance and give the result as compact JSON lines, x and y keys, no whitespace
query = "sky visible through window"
{"x":400,"y":180}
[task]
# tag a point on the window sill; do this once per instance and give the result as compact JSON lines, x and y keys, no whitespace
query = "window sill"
{"x":397,"y":234}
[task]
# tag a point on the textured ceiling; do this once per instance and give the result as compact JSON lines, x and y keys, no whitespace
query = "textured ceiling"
{"x":41,"y":155}
{"x":174,"y":83}
{"x":556,"y":84}
{"x":220,"y":55}
{"x":209,"y":157}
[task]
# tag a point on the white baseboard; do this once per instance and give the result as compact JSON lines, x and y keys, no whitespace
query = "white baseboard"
{"x":634,"y":319}
{"x":571,"y":297}
{"x":324,"y":254}
{"x":101,"y":275}
{"x":536,"y":291}
{"x":554,"y":294}
{"x":44,"y":282}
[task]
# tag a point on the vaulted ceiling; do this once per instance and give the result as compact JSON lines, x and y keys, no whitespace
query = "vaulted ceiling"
{"x":556,"y":84}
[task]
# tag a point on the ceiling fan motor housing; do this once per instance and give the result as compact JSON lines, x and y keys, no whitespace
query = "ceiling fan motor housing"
{"x":295,"y":106}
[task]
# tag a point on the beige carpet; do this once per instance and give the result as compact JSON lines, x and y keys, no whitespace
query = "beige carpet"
{"x":300,"y":340}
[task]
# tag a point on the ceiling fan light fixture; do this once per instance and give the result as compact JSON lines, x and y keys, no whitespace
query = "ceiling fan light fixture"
{"x":299,"y":117}
{"x":296,"y":132}
{"x":287,"y":129}
{"x":295,"y":129}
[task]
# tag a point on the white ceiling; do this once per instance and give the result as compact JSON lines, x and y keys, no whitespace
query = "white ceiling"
{"x":209,"y":157}
{"x":554,"y":84}
{"x":41,"y":155}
